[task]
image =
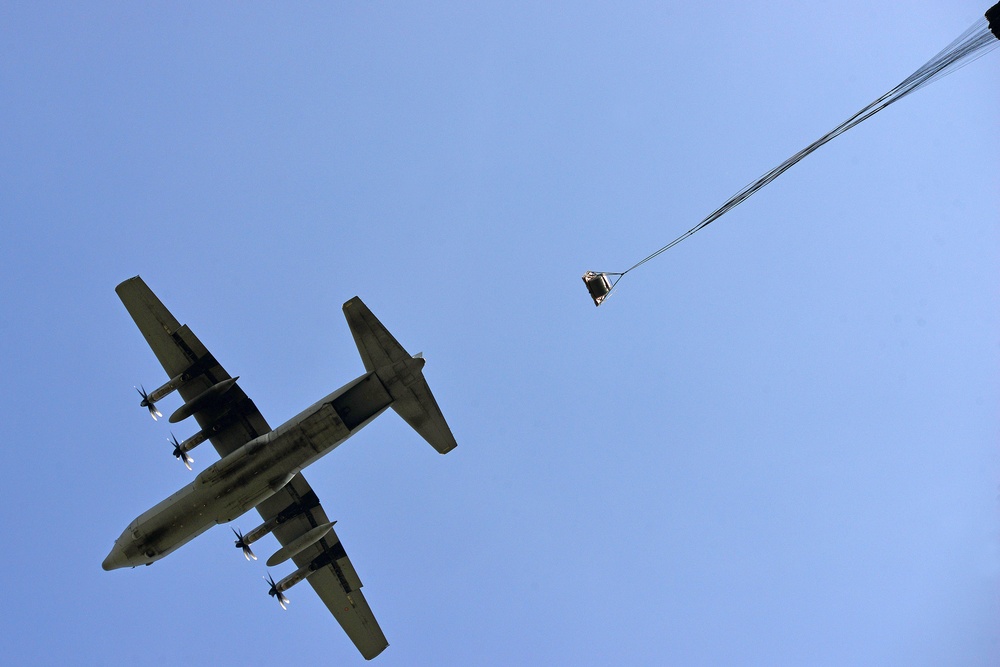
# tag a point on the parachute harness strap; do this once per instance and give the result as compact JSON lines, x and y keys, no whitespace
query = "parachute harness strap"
{"x":982,"y":37}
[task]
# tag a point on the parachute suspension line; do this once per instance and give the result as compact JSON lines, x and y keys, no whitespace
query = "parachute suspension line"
{"x":618,"y":276}
{"x":981,"y":38}
{"x":972,"y":44}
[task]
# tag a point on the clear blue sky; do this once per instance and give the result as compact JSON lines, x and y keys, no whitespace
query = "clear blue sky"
{"x":776,"y":445}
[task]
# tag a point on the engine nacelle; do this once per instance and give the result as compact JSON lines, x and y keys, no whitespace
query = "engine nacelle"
{"x":162,"y":392}
{"x":300,"y":574}
{"x":192,"y":442}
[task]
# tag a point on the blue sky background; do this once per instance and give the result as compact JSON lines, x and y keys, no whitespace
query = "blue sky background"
{"x":776,"y":445}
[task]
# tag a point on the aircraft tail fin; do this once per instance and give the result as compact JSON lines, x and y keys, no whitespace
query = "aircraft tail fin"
{"x":401,"y":374}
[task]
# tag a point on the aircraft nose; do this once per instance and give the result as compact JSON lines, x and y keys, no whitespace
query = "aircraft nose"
{"x":115,"y":559}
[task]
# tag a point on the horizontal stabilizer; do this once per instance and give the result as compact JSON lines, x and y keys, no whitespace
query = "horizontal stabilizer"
{"x":377,"y":346}
{"x":424,"y":416}
{"x":401,"y":374}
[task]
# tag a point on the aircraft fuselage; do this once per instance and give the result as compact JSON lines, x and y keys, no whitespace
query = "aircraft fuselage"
{"x":251,"y":474}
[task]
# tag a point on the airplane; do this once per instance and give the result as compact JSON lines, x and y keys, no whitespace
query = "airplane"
{"x":261,"y":467}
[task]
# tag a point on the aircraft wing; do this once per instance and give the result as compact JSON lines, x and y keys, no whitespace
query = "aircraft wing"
{"x":334,"y":578}
{"x":232,"y":421}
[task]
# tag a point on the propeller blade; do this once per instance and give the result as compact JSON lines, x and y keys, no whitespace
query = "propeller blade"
{"x":247,"y":551}
{"x":275,"y":593}
{"x":146,"y":403}
{"x":179,"y":453}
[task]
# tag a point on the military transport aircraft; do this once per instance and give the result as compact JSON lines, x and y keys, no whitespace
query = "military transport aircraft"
{"x":260,"y":467}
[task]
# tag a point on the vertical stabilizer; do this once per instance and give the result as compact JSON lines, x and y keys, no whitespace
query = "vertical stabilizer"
{"x":401,"y":374}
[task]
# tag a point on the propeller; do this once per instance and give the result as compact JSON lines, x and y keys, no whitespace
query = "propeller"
{"x":146,"y":403}
{"x":274,"y":592}
{"x":242,"y":544}
{"x":179,"y":453}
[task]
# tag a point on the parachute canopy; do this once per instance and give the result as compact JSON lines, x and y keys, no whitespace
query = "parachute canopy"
{"x":980,"y":38}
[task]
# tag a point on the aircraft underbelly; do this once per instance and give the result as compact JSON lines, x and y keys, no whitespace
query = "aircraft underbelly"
{"x":256,"y":471}
{"x":174,"y":522}
{"x":237,"y":483}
